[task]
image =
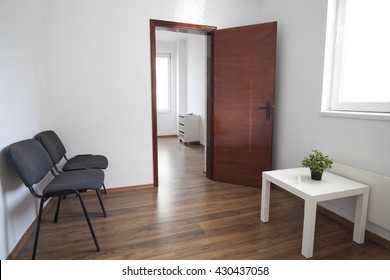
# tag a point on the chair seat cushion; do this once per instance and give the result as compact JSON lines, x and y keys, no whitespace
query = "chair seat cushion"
{"x":86,"y":162}
{"x":80,"y":180}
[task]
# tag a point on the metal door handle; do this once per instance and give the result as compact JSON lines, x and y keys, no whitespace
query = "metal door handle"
{"x":267,"y":109}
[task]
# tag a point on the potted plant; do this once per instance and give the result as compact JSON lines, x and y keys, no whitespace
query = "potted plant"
{"x":318,"y":163}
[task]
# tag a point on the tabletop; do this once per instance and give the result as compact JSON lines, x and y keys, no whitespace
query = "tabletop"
{"x":299,"y":182}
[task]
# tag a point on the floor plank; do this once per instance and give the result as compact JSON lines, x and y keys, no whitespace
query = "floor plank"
{"x":191,"y":217}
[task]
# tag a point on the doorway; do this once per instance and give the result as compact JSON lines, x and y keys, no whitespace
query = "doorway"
{"x":241,"y":65}
{"x":156,"y":25}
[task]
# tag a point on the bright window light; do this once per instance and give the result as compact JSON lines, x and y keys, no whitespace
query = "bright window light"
{"x":366,"y":56}
{"x":361,"y":56}
{"x":163,"y":82}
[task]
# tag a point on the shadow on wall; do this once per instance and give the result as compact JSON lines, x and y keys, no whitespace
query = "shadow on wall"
{"x":16,"y":209}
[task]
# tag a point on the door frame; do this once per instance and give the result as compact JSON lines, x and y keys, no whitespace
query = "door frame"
{"x":209,"y":31}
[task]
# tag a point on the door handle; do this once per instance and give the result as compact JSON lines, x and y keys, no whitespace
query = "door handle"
{"x":267,"y":109}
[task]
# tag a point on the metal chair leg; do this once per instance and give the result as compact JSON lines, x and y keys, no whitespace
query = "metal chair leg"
{"x":38,"y":229}
{"x":57,"y":209}
{"x":101,"y":203}
{"x":89,"y":222}
{"x":104,"y":187}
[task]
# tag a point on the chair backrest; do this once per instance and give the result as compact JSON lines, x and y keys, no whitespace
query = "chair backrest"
{"x":53,"y":145}
{"x":31,"y":161}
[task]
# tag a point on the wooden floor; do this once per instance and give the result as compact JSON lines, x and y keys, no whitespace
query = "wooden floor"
{"x":191,"y":217}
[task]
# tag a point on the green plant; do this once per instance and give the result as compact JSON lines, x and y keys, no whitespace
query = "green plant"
{"x":317,"y":162}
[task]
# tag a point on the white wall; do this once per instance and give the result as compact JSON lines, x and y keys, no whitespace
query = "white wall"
{"x":98,"y":56}
{"x":299,"y":127}
{"x":22,"y":109}
{"x":182,"y":76}
{"x":197,"y":80}
{"x":89,"y":62}
{"x":167,"y":121}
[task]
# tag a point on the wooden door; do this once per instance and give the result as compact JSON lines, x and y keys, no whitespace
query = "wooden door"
{"x":244,"y":83}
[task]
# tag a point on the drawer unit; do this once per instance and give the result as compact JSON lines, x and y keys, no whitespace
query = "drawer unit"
{"x":189,"y":128}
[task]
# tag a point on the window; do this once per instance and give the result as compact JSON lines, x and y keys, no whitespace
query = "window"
{"x":358,"y":56}
{"x":163,"y":82}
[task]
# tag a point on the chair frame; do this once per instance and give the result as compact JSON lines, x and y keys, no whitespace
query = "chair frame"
{"x":39,"y":173}
{"x":59,"y":145}
{"x":43,"y":199}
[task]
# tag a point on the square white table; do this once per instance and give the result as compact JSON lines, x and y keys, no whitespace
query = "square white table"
{"x":298,"y":182}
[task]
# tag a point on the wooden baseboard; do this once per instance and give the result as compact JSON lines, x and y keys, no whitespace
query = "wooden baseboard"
{"x":122,"y":189}
{"x":31,"y":230}
{"x":168,"y":136}
{"x":372,"y":236}
{"x":131,"y":188}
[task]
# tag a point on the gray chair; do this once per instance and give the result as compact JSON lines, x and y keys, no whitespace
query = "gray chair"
{"x":56,"y":149}
{"x":33,"y":163}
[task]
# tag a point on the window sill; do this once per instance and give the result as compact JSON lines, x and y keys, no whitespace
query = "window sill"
{"x":356,"y":115}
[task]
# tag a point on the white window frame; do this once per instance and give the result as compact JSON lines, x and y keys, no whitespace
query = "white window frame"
{"x":169,"y":109}
{"x":331,"y":104}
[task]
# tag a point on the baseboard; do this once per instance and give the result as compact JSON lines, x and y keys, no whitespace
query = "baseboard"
{"x":372,"y":236}
{"x":168,"y":136}
{"x":32,"y":227}
{"x":130,"y":188}
{"x":345,"y":222}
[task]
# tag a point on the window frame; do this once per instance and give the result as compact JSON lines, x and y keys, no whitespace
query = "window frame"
{"x":331,"y":104}
{"x":169,"y":56}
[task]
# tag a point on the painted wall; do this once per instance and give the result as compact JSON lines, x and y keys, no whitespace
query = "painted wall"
{"x":167,"y":121}
{"x":82,"y":68}
{"x":22,"y":109}
{"x":299,"y":127}
{"x":197,"y":80}
{"x":98,"y":61}
{"x":182,"y":76}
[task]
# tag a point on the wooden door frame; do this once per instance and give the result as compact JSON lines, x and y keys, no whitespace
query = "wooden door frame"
{"x":209,"y":31}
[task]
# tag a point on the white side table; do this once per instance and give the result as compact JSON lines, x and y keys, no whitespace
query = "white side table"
{"x":298,"y":182}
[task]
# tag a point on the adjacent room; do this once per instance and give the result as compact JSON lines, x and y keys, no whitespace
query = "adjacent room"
{"x":88,"y":71}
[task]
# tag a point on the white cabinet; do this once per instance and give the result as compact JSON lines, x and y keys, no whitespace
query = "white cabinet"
{"x":189,"y":128}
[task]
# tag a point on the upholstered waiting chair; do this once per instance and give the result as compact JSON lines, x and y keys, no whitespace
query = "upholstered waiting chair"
{"x":56,"y":149}
{"x":33,"y":163}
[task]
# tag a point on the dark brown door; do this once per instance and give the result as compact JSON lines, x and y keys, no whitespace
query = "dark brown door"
{"x":244,"y":83}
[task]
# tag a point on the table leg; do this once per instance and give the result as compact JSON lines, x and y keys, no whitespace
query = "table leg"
{"x":359,"y":228}
{"x":309,"y":223}
{"x":265,"y":194}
